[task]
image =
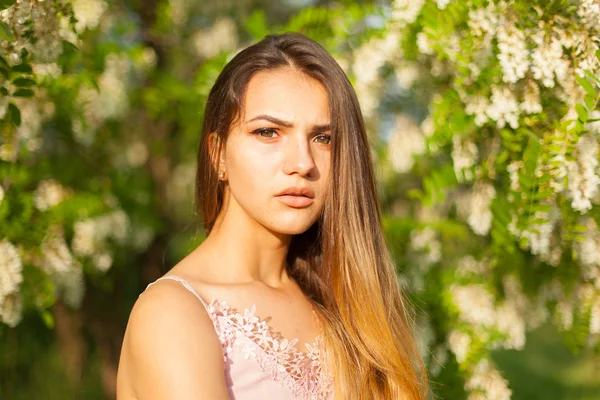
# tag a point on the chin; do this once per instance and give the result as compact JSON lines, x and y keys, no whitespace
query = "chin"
{"x":292,"y":227}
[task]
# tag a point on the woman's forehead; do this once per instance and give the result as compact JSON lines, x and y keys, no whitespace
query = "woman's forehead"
{"x":287,"y":93}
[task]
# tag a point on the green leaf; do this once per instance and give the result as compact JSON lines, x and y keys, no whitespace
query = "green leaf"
{"x":256,"y":24}
{"x":23,"y":93}
{"x":585,"y":84}
{"x":581,"y":112}
{"x":590,"y":101}
{"x":48,"y":319}
{"x":6,"y":32}
{"x":15,"y":114}
{"x":4,"y":91}
{"x":24,"y":82}
{"x":4,"y":4}
{"x":592,"y":76}
{"x":25,"y":68}
{"x":5,"y":72}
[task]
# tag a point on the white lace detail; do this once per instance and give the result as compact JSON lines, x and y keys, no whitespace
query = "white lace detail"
{"x":302,"y":373}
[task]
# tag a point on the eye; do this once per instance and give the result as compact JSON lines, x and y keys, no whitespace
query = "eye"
{"x":265,"y":132}
{"x":323,"y":139}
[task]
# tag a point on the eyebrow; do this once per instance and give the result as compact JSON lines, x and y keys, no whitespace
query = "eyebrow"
{"x":287,"y":124}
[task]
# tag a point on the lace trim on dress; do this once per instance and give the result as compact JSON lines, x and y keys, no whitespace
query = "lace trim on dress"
{"x":302,"y":373}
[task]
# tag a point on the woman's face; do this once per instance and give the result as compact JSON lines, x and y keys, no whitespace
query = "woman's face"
{"x":277,"y":157}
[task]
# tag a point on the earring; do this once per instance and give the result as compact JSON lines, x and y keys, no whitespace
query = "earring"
{"x":221,"y":175}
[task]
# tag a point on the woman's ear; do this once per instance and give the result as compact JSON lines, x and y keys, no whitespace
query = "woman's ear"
{"x":215,"y":148}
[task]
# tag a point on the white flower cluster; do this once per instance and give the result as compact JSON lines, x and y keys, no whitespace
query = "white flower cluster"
{"x":48,"y":194}
{"x":10,"y":280}
{"x":589,"y":13}
{"x":484,"y":21}
{"x":43,"y":20}
{"x":541,"y":238}
{"x":459,"y":343}
{"x":442,"y":4}
{"x":478,"y":309}
{"x":588,"y":253}
{"x":110,"y":102}
{"x":88,"y":13}
{"x":469,"y":266}
{"x":548,"y":62}
{"x":91,"y":236}
{"x":582,"y":174}
{"x":221,"y":37}
{"x":406,"y":142}
{"x":405,"y":12}
{"x":486,"y":383}
{"x":65,"y":272}
{"x":480,"y":216}
{"x":531,"y":98}
{"x":464,"y":157}
{"x":1,"y":194}
{"x":504,"y":107}
{"x":367,"y":61}
{"x":475,"y":304}
{"x":595,"y":317}
{"x":426,"y":241}
{"x":513,"y":55}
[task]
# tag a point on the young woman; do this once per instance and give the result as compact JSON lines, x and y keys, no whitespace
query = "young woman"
{"x":293,"y":292}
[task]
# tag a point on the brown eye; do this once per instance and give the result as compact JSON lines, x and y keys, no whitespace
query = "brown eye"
{"x":265,"y":132}
{"x":323,"y":139}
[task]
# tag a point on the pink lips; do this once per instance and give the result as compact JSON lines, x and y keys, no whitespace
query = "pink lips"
{"x":297,"y":197}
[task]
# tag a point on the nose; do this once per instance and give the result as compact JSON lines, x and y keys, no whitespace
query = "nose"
{"x":298,"y":157}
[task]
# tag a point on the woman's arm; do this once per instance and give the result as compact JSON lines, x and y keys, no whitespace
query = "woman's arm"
{"x":170,"y":349}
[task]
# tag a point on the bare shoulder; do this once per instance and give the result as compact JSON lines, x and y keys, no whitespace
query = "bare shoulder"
{"x":170,"y":349}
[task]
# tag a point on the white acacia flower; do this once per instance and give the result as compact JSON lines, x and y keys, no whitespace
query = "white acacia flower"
{"x":91,"y":235}
{"x":11,"y":309}
{"x":468,"y":265}
{"x":459,"y":343}
{"x":221,"y":37}
{"x":477,"y":106}
{"x":406,"y":142}
{"x":88,"y":13}
{"x":510,"y":322}
{"x":480,"y":218}
{"x":589,"y":13}
{"x":405,"y":12}
{"x":10,"y":269}
{"x":464,"y":156}
{"x":564,"y":314}
{"x":513,"y":55}
{"x":48,"y":194}
{"x":56,"y":253}
{"x":531,"y":98}
{"x":504,"y":108}
{"x":475,"y":304}
{"x":483,"y":21}
{"x":548,"y":62}
{"x":595,"y":317}
{"x":582,"y":177}
{"x":486,"y":383}
{"x":426,"y":241}
{"x":442,"y":3}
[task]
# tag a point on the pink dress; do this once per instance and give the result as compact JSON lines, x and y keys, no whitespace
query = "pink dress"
{"x":257,"y":366}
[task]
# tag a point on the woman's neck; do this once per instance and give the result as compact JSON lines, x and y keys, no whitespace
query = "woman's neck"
{"x":246,"y":251}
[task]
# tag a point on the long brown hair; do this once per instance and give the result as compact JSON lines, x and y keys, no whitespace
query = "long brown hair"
{"x":342,"y":262}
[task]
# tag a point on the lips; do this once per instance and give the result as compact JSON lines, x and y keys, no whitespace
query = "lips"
{"x":296,"y":197}
{"x":298,"y":191}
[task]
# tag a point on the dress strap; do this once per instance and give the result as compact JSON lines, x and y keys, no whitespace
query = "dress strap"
{"x":184,"y":283}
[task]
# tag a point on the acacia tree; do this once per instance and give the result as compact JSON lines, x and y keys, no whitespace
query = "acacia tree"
{"x":495,"y":140}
